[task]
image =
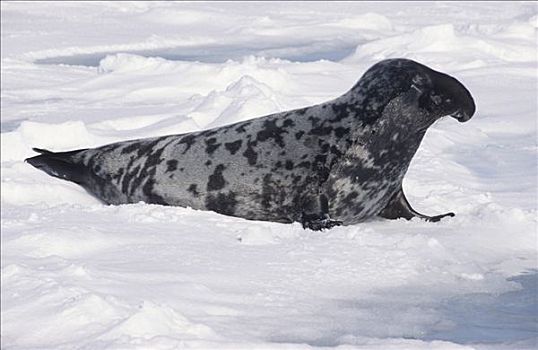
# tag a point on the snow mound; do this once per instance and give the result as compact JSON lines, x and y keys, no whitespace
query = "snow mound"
{"x":241,"y":100}
{"x":17,"y":145}
{"x":151,"y":320}
{"x":455,"y":46}
{"x":129,"y":63}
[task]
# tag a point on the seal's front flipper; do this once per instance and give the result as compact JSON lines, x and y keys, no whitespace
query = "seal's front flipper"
{"x":316,"y":215}
{"x":318,"y":222}
{"x":399,"y":207}
{"x":437,"y":217}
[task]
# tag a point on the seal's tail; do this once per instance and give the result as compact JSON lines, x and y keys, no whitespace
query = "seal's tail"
{"x":60,"y":164}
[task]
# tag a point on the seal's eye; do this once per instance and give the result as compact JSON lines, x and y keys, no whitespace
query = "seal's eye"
{"x":436,"y":99}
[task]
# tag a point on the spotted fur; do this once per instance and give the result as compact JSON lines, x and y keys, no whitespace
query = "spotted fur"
{"x":352,"y":152}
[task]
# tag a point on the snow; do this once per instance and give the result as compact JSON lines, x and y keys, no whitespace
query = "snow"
{"x":79,"y":274}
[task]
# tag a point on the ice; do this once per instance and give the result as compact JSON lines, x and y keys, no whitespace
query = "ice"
{"x":79,"y":274}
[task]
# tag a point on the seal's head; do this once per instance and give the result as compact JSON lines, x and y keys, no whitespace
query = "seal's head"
{"x":421,"y":88}
{"x":443,"y":95}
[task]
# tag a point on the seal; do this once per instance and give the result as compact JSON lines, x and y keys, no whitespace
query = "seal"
{"x":339,"y":162}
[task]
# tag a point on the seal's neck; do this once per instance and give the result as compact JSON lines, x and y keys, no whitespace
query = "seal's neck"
{"x":395,"y":137}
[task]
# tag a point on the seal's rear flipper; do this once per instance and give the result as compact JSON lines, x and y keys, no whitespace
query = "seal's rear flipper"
{"x":60,"y":164}
{"x":399,"y":207}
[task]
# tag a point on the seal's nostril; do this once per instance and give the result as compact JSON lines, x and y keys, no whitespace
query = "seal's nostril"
{"x":462,"y":116}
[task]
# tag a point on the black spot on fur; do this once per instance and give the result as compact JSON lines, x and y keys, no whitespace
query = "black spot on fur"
{"x":299,"y":134}
{"x":340,"y":112}
{"x":314,"y":121}
{"x":359,"y":174}
{"x":208,"y":162}
{"x":131,"y":148}
{"x":288,"y":122}
{"x":320,"y":158}
{"x":208,"y":133}
{"x":324,"y":146}
{"x":252,"y":157}
{"x":339,"y":211}
{"x":147,"y":149}
{"x":233,"y":147}
{"x":193,"y":189}
{"x":137,"y":181}
{"x":171,"y":165}
{"x":334,"y":150}
{"x":305,"y":164}
{"x":211,"y":145}
{"x":289,"y":164}
{"x":216,"y":180}
{"x":129,"y":175}
{"x":188,"y":140}
{"x":341,"y":131}
{"x":222,"y":203}
{"x":349,"y":199}
{"x":152,"y":197}
{"x":133,"y":178}
{"x":271,"y":131}
{"x":241,"y":127}
{"x":349,"y":203}
{"x":321,"y":130}
{"x":118,"y":175}
{"x":153,"y":159}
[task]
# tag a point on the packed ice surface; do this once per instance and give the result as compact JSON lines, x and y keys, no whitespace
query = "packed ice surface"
{"x":79,"y":274}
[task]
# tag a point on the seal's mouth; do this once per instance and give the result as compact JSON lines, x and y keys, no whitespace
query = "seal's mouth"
{"x":461,"y":116}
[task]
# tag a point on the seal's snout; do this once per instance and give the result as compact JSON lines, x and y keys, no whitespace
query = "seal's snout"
{"x":459,"y":102}
{"x":468,"y":109}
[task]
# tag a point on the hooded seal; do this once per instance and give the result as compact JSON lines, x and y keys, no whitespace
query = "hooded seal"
{"x":339,"y":162}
